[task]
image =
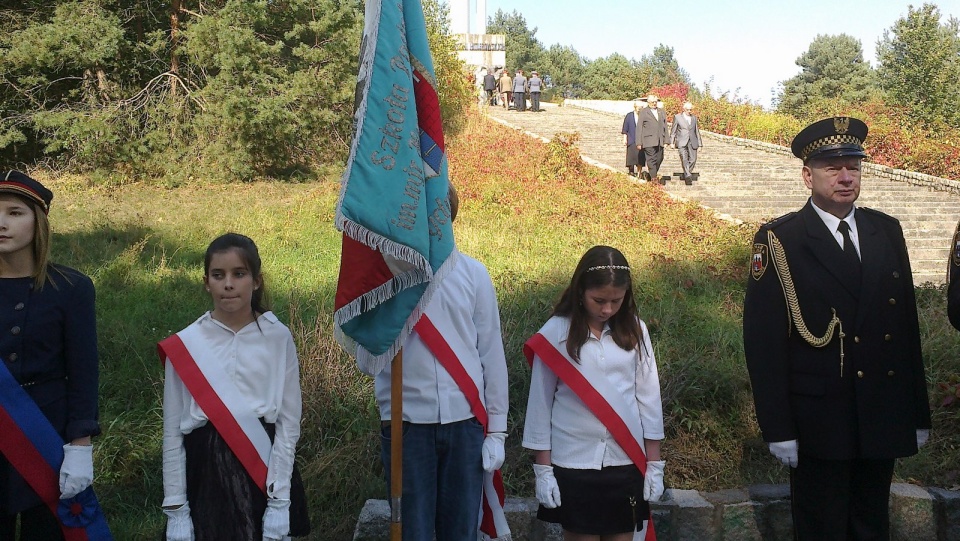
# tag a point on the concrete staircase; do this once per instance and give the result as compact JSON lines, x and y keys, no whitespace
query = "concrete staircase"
{"x":756,"y":182}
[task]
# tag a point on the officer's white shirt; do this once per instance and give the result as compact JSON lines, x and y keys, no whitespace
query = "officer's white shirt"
{"x":833,"y":224}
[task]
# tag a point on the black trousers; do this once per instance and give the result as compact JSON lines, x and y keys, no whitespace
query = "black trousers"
{"x":654,"y":159}
{"x":36,"y":524}
{"x":841,"y":500}
{"x":520,"y":101}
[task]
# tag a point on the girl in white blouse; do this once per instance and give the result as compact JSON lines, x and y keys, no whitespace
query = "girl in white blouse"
{"x":594,"y":419}
{"x":228,"y":473}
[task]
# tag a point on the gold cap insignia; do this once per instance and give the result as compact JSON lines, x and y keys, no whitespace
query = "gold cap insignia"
{"x":841,"y":124}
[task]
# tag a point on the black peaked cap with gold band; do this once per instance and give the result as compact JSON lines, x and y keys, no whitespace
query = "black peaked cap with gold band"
{"x":830,"y":138}
{"x":20,"y":184}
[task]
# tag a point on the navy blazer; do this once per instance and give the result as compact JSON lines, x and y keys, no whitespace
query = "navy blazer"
{"x":48,"y":341}
{"x":875,"y":407}
{"x":630,"y":129}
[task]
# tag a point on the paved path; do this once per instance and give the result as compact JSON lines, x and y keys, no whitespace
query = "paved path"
{"x":754,"y":185}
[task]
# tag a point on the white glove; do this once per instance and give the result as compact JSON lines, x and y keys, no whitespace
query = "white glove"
{"x":76,"y":472}
{"x":548,"y":493}
{"x":653,"y":480}
{"x":179,"y":523}
{"x":276,"y":520}
{"x":786,"y":452}
{"x":492,"y":451}
{"x":923,"y":434}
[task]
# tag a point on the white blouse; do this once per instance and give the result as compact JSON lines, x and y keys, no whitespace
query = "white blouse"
{"x":464,"y":309}
{"x":261,"y":360}
{"x":559,"y":422}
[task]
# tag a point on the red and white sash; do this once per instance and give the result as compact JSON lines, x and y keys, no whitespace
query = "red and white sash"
{"x":35,"y":450}
{"x":221,"y":401}
{"x":493,"y":520}
{"x":594,"y":389}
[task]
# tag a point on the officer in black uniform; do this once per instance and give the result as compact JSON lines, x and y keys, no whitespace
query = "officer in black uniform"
{"x":832,"y":344}
{"x":953,"y":280}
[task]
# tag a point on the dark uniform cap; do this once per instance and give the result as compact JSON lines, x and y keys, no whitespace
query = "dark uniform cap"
{"x":830,"y":138}
{"x":20,"y":184}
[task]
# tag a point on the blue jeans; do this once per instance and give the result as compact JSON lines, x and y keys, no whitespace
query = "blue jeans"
{"x":442,"y":479}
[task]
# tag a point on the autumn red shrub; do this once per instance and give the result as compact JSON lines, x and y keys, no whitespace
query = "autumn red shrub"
{"x":672,"y":96}
{"x":894,"y":139}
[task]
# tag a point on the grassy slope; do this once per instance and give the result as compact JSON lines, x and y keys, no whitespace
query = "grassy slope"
{"x":528,"y":212}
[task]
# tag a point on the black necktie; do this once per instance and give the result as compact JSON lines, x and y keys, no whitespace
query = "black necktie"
{"x":849,"y":250}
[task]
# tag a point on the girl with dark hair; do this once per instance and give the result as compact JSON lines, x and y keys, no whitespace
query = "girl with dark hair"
{"x":594,"y":418}
{"x":48,"y":377}
{"x":231,"y":412}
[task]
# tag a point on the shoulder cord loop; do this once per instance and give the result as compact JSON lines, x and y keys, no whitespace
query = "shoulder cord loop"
{"x":779,"y":259}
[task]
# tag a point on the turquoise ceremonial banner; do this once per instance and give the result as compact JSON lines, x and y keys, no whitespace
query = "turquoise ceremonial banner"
{"x":393,"y":208}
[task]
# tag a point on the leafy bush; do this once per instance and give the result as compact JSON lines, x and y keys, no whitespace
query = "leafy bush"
{"x":249,"y":89}
{"x":893,"y":139}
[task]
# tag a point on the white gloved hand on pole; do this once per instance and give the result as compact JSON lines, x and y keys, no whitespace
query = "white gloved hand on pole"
{"x":276,"y":520}
{"x":786,"y":452}
{"x":548,"y":492}
{"x":653,"y":480}
{"x":76,"y":472}
{"x":493,"y":452}
{"x":179,"y":523}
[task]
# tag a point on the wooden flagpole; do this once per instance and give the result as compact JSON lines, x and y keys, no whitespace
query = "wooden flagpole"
{"x":396,"y":447}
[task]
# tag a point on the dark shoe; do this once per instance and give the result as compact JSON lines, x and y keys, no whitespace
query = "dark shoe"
{"x":688,"y":180}
{"x":662,"y":181}
{"x":645,"y":175}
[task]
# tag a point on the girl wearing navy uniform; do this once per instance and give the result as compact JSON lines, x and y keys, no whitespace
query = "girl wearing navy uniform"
{"x":48,"y":342}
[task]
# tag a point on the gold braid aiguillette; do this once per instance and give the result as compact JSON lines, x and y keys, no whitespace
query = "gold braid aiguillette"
{"x":779,"y":258}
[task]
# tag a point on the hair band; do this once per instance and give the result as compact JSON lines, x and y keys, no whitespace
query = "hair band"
{"x":610,"y":267}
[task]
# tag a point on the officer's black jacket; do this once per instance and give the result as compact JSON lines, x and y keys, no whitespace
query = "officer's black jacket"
{"x":874,"y":409}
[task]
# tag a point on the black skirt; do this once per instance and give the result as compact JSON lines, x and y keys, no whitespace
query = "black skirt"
{"x":633,"y":157}
{"x":225,"y":503}
{"x":599,"y":502}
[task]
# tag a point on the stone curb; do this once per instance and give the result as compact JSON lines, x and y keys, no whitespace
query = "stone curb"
{"x":902,"y":175}
{"x":620,"y":108}
{"x":755,"y":513}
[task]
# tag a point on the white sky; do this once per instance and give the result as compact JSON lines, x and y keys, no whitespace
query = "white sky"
{"x":744,"y":46}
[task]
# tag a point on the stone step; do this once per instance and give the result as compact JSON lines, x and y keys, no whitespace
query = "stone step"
{"x":754,"y":512}
{"x":756,"y":182}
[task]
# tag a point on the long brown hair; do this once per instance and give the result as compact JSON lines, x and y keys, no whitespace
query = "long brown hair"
{"x":41,"y":246}
{"x":600,"y":266}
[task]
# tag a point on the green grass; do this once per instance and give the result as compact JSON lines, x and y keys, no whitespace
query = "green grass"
{"x":528,"y":212}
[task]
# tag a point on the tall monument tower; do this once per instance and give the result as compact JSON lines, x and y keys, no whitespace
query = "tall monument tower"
{"x":468,"y":21}
{"x":468,"y":16}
